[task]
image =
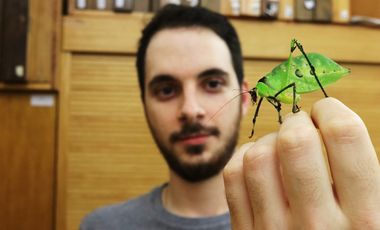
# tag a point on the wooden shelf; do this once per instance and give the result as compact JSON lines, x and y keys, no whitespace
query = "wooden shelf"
{"x":26,"y":87}
{"x":112,"y":33}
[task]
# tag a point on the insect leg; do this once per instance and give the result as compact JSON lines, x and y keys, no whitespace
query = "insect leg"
{"x":293,"y":45}
{"x":277,"y":105}
{"x":295,"y":108}
{"x":311,"y":66}
{"x":255,"y":116}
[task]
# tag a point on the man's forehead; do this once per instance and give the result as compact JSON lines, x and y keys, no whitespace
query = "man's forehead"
{"x":185,"y":38}
{"x":192,"y":47}
{"x":187,"y":52}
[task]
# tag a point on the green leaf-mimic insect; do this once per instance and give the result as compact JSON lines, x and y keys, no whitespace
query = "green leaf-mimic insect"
{"x":297,"y":75}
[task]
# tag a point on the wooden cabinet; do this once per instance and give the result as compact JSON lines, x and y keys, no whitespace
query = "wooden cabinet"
{"x":27,"y":160}
{"x":28,"y":114}
{"x":13,"y":31}
{"x":106,"y":153}
{"x":38,"y":53}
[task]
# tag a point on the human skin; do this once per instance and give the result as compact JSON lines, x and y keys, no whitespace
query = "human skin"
{"x":282,"y":181}
{"x":191,"y":97}
{"x":189,"y":76}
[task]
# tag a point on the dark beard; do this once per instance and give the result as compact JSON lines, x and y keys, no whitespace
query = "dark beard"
{"x":201,"y":171}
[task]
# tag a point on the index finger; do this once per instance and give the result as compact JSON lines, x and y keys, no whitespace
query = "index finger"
{"x":352,"y":157}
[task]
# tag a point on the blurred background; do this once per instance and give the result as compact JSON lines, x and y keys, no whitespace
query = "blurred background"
{"x":73,"y":135}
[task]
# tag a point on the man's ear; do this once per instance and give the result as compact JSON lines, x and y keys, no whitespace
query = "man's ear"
{"x":245,"y":98}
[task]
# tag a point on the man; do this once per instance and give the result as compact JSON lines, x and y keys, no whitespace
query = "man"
{"x":189,"y":62}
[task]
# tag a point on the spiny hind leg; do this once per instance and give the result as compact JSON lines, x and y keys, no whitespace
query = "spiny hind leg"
{"x":255,"y":116}
{"x":312,"y":69}
{"x":295,"y":108}
{"x":277,"y":105}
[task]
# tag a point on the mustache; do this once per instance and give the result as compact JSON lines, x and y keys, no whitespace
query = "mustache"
{"x":193,"y":129}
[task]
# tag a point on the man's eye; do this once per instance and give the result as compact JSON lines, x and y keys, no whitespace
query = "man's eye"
{"x":165,"y":92}
{"x":213,"y":85}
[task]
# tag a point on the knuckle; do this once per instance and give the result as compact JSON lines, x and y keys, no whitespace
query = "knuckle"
{"x":234,"y":169}
{"x":309,"y":181}
{"x":367,"y":220}
{"x":232,"y":174}
{"x":296,"y":139}
{"x":268,"y":223}
{"x":360,"y":171}
{"x":259,"y":158}
{"x":314,"y":224}
{"x":345,"y":130}
{"x":326,"y":224}
{"x":322,"y":219}
{"x":258,"y":154}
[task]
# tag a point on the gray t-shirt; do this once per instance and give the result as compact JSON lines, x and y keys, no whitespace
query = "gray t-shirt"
{"x":146,"y":212}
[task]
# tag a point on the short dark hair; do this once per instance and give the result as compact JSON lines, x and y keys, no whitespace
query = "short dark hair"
{"x":176,"y":16}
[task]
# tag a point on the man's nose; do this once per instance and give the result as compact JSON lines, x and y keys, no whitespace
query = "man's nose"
{"x":191,"y":109}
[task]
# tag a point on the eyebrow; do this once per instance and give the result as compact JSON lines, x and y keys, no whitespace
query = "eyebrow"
{"x":213,"y":72}
{"x":160,"y":78}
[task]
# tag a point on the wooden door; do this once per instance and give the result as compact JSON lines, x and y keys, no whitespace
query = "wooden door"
{"x":27,"y":148}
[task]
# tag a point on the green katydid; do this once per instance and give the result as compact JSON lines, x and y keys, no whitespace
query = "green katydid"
{"x":295,"y":76}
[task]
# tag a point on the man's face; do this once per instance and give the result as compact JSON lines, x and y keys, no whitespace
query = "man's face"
{"x":189,"y":77}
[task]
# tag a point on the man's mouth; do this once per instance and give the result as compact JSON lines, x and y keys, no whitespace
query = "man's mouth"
{"x":196,"y":139}
{"x":194,"y":134}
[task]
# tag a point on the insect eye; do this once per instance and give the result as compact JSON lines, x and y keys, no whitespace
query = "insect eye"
{"x":298,"y":73}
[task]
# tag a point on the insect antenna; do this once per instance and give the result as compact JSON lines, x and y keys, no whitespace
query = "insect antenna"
{"x":226,"y":103}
